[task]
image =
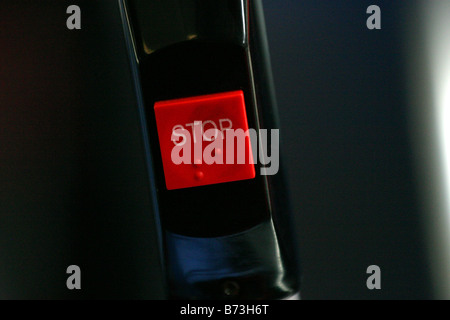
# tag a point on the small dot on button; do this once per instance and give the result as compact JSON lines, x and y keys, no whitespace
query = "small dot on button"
{"x":198,"y":175}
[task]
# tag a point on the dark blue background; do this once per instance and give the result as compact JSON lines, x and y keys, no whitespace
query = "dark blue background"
{"x":342,"y":99}
{"x":72,"y":169}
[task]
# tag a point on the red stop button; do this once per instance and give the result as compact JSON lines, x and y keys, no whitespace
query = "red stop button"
{"x":205,"y":140}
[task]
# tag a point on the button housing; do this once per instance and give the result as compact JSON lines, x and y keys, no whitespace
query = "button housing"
{"x":191,"y":69}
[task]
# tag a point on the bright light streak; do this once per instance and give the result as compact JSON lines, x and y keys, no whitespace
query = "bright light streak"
{"x":437,"y":43}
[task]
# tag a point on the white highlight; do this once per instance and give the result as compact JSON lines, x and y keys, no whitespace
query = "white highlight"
{"x":430,"y":72}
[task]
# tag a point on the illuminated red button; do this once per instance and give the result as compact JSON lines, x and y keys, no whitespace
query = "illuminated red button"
{"x":200,"y":141}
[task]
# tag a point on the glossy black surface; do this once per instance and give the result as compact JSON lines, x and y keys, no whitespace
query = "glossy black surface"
{"x":158,"y":24}
{"x":247,"y":265}
{"x":200,"y":226}
{"x":189,"y":69}
{"x":210,"y":64}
